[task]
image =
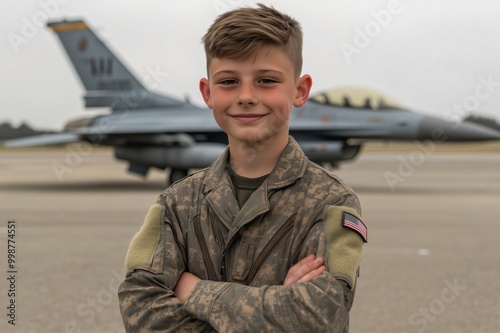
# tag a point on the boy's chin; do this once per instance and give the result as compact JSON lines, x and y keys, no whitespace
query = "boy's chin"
{"x":262,"y":139}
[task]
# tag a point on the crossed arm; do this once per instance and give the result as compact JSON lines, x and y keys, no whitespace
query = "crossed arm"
{"x":162,"y":297}
{"x":304,"y":271}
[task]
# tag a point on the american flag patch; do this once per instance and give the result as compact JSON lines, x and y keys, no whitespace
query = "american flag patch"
{"x":352,"y":222}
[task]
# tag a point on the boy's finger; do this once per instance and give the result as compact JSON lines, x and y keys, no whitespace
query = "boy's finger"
{"x":301,"y":263}
{"x":296,"y":271}
{"x":301,"y":269}
{"x":313,"y":274}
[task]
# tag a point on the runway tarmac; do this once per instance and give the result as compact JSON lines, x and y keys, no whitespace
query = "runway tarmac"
{"x":432,"y":263}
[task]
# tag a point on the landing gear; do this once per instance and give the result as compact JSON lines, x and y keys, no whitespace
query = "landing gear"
{"x":177,"y":174}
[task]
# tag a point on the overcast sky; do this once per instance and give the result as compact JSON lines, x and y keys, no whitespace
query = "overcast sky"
{"x":428,"y":55}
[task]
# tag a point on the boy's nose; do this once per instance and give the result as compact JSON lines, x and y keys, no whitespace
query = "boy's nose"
{"x":246,"y":94}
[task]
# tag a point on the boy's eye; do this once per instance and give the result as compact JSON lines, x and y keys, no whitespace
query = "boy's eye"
{"x":267,"y":81}
{"x":228,"y":82}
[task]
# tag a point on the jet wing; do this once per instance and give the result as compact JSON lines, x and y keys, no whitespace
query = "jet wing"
{"x":42,"y":140}
{"x":152,"y":122}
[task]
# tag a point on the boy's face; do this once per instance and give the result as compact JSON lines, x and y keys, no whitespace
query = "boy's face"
{"x":252,"y":99}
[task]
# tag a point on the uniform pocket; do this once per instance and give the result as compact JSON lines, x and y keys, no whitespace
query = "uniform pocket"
{"x":243,"y":260}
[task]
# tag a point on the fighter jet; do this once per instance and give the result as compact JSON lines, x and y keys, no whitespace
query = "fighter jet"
{"x":149,"y":130}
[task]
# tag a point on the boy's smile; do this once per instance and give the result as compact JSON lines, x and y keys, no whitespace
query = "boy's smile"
{"x":248,"y":118}
{"x":252,"y":99}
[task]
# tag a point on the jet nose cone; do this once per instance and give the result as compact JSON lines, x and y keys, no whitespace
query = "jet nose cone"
{"x":441,"y":130}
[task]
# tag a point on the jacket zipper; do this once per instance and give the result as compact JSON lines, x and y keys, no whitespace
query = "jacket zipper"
{"x":204,"y":249}
{"x":266,"y":252}
{"x":223,"y":268}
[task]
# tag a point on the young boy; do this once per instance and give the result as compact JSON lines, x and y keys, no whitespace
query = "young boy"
{"x":263,"y":240}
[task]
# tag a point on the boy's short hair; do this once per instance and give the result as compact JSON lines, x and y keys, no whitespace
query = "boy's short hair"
{"x":240,"y":33}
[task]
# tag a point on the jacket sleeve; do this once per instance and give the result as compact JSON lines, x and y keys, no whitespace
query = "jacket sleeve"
{"x":155,"y":261}
{"x":320,"y":305}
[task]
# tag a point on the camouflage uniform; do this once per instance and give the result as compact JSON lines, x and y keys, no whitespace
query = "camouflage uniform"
{"x":242,"y":255}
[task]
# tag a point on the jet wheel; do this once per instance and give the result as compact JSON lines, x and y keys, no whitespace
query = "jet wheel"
{"x":177,"y":174}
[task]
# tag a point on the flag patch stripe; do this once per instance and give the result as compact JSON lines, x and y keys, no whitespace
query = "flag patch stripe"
{"x":352,"y":222}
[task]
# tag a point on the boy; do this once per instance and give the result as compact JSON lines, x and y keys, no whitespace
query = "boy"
{"x":263,"y":240}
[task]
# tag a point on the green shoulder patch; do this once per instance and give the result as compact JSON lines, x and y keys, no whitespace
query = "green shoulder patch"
{"x":344,"y":244}
{"x":143,"y":245}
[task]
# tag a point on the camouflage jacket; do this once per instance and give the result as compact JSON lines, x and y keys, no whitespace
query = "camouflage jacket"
{"x":242,"y":255}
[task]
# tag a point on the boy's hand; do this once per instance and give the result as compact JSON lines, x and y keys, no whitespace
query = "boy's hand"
{"x":305,"y":270}
{"x":185,"y":285}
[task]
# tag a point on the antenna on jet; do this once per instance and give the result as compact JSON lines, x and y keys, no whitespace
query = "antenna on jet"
{"x":368,"y":103}
{"x":347,"y":101}
{"x":187,"y":99}
{"x":381,"y":104}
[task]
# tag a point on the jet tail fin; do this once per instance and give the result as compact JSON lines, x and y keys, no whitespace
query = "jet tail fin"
{"x":107,"y":81}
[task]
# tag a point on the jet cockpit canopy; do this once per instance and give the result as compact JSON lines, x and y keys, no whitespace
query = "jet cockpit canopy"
{"x":356,"y":98}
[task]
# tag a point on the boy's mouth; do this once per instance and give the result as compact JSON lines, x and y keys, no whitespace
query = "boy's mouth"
{"x":248,"y":118}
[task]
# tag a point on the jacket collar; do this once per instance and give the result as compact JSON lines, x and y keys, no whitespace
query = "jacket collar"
{"x":291,"y":166}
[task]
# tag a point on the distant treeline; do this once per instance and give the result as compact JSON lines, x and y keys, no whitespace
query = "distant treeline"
{"x":7,"y":131}
{"x":488,"y":122}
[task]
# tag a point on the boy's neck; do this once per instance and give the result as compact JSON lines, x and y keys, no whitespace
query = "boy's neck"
{"x":252,"y":160}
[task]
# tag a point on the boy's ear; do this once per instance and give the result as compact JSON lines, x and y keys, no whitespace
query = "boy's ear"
{"x":303,"y":87}
{"x":205,"y":92}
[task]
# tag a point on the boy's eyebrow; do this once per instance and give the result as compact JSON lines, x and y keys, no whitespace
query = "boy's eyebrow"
{"x":225,"y":72}
{"x":260,"y":71}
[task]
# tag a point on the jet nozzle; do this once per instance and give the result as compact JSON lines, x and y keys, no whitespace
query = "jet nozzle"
{"x":441,"y":130}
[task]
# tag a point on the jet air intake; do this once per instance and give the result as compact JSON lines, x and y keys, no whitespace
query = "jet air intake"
{"x":324,"y":151}
{"x":199,"y":155}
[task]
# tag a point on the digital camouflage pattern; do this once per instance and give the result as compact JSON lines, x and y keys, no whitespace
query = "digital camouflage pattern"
{"x":242,"y":255}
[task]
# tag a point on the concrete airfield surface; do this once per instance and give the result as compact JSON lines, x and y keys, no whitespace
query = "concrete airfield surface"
{"x":432,"y":263}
